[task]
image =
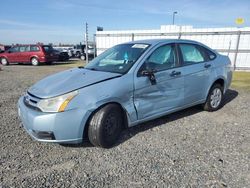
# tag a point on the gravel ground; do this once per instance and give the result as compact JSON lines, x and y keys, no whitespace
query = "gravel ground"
{"x":191,"y":148}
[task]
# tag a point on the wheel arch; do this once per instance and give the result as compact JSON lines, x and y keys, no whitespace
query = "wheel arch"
{"x":34,"y":56}
{"x":3,"y":56}
{"x":124,"y":115}
{"x":219,"y":80}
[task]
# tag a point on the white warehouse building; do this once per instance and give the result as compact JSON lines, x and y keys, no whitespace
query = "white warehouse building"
{"x":231,"y":41}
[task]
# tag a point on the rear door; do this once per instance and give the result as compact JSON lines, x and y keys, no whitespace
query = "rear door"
{"x":196,"y":72}
{"x":24,"y":54}
{"x":167,"y":93}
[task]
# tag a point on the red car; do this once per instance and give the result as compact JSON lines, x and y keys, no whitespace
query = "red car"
{"x":34,"y":54}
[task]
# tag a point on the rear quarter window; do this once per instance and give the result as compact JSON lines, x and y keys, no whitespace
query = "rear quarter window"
{"x":209,"y":54}
{"x":34,"y":48}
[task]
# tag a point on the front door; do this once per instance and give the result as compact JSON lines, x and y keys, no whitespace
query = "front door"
{"x":152,"y":99}
{"x":13,"y":54}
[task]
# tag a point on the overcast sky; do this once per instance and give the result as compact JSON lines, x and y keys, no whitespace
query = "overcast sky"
{"x":29,"y":21}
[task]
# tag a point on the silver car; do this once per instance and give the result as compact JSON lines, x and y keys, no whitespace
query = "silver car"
{"x":126,"y":85}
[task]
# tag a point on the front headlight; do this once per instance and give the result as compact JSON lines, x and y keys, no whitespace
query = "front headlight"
{"x":56,"y":104}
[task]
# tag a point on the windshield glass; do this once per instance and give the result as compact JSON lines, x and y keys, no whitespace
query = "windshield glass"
{"x":118,"y":59}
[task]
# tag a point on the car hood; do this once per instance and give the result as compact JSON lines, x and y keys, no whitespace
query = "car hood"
{"x":66,"y":81}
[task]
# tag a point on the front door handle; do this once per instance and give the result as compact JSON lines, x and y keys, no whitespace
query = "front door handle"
{"x":207,"y":65}
{"x":175,"y":73}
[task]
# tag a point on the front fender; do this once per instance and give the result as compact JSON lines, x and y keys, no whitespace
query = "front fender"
{"x":118,"y":90}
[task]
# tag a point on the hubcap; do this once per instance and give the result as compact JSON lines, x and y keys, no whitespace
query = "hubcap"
{"x":110,"y":125}
{"x":4,"y":61}
{"x":216,"y":98}
{"x":34,"y":61}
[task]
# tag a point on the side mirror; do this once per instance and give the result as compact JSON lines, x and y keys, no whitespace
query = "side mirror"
{"x":150,"y":74}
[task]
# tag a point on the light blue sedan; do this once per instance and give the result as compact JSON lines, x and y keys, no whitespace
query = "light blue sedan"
{"x":126,"y":85}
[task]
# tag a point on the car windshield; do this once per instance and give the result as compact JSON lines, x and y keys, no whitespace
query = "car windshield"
{"x":118,"y":59}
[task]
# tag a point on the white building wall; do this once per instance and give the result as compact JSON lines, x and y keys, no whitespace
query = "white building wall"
{"x":222,"y":39}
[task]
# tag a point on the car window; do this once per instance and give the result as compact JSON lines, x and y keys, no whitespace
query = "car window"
{"x":34,"y":48}
{"x":14,"y":49}
{"x":118,"y":59}
{"x":191,"y":54}
{"x":210,"y":55}
{"x":161,"y":59}
{"x":24,"y":48}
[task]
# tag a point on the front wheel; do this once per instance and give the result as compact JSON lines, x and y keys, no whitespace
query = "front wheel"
{"x":214,"y":99}
{"x":105,"y":126}
{"x":4,"y":61}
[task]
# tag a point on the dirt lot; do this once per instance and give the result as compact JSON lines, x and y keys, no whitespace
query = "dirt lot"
{"x":191,"y":148}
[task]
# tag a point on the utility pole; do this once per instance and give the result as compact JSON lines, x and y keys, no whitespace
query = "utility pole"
{"x":174,"y":13}
{"x":86,"y":43}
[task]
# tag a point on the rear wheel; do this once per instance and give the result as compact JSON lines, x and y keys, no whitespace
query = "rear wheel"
{"x":83,"y":57}
{"x":78,"y":54}
{"x":34,"y":61}
{"x":4,"y":61}
{"x":105,"y":126}
{"x":214,"y":99}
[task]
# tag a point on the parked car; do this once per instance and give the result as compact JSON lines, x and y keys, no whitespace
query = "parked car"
{"x":126,"y":85}
{"x":79,"y":51}
{"x":62,"y":55}
{"x":34,"y":54}
{"x":66,"y":49}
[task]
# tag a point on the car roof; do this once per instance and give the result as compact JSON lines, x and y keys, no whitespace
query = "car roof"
{"x":154,"y":42}
{"x":157,"y":41}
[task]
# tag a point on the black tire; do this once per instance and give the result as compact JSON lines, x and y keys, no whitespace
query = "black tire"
{"x":34,"y":61}
{"x":4,"y":61}
{"x":211,"y":104}
{"x":105,"y":126}
{"x":78,"y":54}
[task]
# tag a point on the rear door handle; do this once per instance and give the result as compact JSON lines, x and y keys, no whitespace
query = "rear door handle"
{"x":175,"y":73}
{"x":207,"y":65}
